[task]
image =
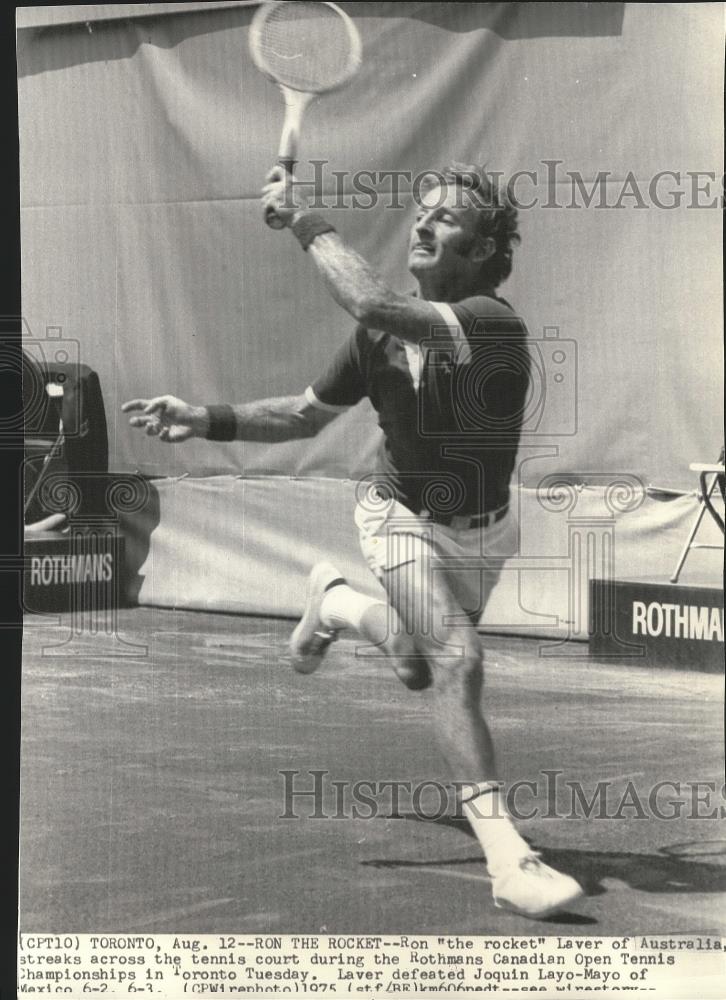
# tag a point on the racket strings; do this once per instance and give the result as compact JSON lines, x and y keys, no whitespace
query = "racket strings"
{"x":306,"y":46}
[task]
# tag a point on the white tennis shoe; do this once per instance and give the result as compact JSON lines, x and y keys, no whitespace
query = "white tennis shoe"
{"x":310,"y":639}
{"x":531,"y":888}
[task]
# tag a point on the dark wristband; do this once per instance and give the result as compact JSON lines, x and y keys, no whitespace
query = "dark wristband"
{"x":222,"y":423}
{"x":307,"y":226}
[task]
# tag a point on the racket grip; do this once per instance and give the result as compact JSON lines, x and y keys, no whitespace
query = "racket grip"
{"x":271,"y":218}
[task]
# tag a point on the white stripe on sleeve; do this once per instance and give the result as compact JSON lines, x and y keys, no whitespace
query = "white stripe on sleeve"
{"x":448,"y":315}
{"x":320,"y":405}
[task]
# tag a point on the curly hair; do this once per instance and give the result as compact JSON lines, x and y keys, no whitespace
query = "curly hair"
{"x":497,"y":215}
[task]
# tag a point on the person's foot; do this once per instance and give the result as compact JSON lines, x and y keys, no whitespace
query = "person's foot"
{"x":310,"y":639}
{"x":531,"y":888}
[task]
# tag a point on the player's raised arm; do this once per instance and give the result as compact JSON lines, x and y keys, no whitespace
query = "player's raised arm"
{"x":351,"y":280}
{"x":282,"y":418}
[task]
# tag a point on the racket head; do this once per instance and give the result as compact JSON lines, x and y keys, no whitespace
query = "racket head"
{"x":304,"y":45}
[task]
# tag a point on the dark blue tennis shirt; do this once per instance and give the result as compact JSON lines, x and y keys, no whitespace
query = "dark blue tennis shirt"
{"x":450,"y":408}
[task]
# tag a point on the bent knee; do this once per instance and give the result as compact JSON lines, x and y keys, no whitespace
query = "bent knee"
{"x":462,"y":670}
{"x":416,"y":677}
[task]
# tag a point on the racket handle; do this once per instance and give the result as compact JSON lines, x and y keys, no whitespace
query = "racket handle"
{"x":272,"y":219}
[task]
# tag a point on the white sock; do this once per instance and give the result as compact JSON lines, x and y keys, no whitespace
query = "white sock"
{"x":343,"y":607}
{"x":494,"y":829}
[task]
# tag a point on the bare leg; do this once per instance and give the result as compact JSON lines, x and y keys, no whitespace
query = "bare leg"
{"x":454,"y":658}
{"x":381,"y":626}
{"x":520,"y":881}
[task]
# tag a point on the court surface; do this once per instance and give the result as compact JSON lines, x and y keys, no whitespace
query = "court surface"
{"x":152,"y":788}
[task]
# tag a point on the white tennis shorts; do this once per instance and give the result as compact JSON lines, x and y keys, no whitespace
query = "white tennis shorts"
{"x":392,"y":536}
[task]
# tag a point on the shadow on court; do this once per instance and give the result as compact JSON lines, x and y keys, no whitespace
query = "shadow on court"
{"x":645,"y":872}
{"x":153,"y":789}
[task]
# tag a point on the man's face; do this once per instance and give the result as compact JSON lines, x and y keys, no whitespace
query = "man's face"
{"x":444,"y":234}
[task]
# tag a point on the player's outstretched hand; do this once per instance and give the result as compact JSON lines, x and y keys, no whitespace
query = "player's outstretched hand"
{"x":166,"y":417}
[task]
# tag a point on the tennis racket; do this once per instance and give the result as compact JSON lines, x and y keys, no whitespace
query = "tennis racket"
{"x":307,"y":48}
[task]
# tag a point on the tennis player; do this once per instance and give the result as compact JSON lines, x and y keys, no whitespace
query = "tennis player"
{"x":447,"y":364}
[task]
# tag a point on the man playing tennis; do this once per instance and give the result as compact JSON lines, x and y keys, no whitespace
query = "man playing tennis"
{"x":420,"y":360}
